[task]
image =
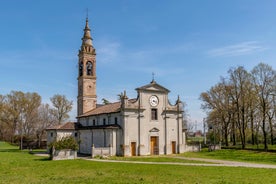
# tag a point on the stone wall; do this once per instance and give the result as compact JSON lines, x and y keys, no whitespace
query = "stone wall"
{"x":101,"y":151}
{"x":192,"y":148}
{"x":65,"y":154}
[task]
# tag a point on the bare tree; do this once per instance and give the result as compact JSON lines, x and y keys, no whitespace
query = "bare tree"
{"x":62,"y":107}
{"x":218,"y":104}
{"x":12,"y":108}
{"x":45,"y":120}
{"x":264,"y":80}
{"x":29,"y":114}
{"x":240,"y":80}
{"x":243,"y":104}
{"x":23,"y":116}
{"x":18,"y":115}
{"x":2,"y":126}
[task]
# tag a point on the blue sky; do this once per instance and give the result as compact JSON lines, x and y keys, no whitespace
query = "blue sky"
{"x":189,"y":45}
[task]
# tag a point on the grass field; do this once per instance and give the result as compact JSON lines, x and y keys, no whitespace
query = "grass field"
{"x":236,"y":155}
{"x":155,"y":159}
{"x":21,"y":167}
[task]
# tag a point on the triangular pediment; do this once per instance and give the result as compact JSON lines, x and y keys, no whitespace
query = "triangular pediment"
{"x":154,"y":130}
{"x":153,"y":86}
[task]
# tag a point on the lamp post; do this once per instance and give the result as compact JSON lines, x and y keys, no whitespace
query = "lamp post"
{"x":204,"y":130}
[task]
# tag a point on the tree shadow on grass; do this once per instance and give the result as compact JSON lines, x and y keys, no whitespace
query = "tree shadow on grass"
{"x":10,"y":150}
{"x":43,"y":159}
{"x":40,"y":155}
{"x":35,"y":152}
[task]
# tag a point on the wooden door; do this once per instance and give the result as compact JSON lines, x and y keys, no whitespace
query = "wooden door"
{"x":133,"y":148}
{"x":173,"y":147}
{"x":154,"y":150}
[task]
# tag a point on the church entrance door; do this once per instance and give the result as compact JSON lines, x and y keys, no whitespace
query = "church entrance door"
{"x":154,"y":150}
{"x":133,"y":148}
{"x":173,"y":147}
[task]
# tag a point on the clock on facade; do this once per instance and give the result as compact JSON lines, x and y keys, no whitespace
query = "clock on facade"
{"x":153,"y":101}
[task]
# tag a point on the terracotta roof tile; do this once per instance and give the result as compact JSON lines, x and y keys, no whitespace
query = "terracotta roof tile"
{"x":108,"y":108}
{"x":105,"y":109}
{"x":66,"y":126}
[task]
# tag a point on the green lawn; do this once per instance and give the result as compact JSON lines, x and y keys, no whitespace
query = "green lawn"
{"x":155,"y":159}
{"x":236,"y":155}
{"x":21,"y":167}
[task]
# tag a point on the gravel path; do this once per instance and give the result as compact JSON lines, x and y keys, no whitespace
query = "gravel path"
{"x":211,"y":163}
{"x":231,"y":163}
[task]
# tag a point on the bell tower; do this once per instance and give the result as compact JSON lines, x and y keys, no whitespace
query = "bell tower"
{"x":87,"y":98}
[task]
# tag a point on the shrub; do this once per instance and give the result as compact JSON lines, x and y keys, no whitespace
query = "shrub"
{"x":65,"y":143}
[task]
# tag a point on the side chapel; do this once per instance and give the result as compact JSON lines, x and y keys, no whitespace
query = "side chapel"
{"x":146,"y":125}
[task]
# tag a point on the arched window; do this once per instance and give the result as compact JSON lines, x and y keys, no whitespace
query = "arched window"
{"x":89,"y":68}
{"x":80,"y":69}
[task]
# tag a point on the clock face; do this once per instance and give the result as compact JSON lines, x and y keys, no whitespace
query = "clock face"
{"x":153,"y":101}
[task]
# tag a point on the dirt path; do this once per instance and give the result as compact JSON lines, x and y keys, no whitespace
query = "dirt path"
{"x":231,"y":163}
{"x":211,"y":163}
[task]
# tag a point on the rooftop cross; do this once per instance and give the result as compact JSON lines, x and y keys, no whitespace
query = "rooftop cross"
{"x":86,"y":13}
{"x":153,"y":74}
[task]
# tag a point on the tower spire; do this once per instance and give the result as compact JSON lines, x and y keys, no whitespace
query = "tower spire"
{"x":87,"y":97}
{"x":87,"y":39}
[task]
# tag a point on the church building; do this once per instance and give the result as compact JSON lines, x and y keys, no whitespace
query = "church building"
{"x":145,"y":125}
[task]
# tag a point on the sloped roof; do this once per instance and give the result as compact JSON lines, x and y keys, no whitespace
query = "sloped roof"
{"x":153,"y":86}
{"x":80,"y":127}
{"x":106,"y":109}
{"x":66,"y":126}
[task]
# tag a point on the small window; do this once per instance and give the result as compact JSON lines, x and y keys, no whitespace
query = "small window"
{"x":153,"y":114}
{"x":104,"y":121}
{"x":52,"y":134}
{"x":94,"y":122}
{"x":116,"y":120}
{"x":76,"y":134}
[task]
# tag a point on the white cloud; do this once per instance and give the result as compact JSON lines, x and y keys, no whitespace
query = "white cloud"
{"x":108,"y":51}
{"x":238,"y":49}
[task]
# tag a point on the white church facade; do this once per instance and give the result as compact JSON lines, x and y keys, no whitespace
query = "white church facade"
{"x":145,"y":125}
